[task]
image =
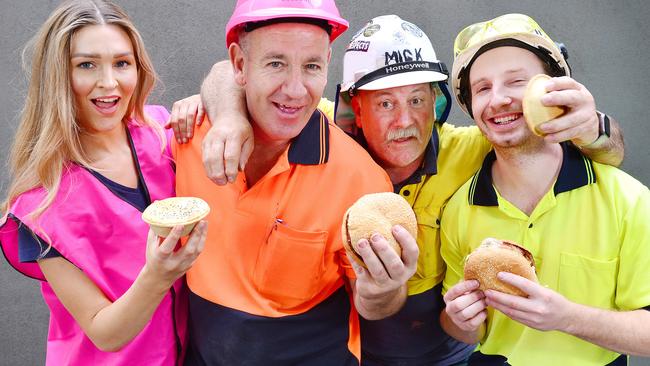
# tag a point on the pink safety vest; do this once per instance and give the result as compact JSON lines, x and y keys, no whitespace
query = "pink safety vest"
{"x":106,"y":238}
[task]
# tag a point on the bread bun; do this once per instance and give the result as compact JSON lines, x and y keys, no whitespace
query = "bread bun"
{"x":494,"y":256}
{"x":376,"y":213}
{"x":535,"y":113}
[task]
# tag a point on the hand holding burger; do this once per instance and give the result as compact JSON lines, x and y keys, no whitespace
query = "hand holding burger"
{"x":376,"y":213}
{"x":516,"y":292}
{"x":378,"y":233}
{"x":494,"y":256}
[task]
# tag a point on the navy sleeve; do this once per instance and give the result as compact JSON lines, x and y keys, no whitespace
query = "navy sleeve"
{"x":31,"y":246}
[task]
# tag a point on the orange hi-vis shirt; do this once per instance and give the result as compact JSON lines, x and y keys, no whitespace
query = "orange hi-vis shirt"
{"x":274,"y":250}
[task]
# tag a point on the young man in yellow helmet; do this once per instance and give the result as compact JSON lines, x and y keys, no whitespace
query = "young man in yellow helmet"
{"x":394,"y":101}
{"x":584,"y":223}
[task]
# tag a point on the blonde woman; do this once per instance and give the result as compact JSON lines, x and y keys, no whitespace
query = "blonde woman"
{"x":87,"y":158}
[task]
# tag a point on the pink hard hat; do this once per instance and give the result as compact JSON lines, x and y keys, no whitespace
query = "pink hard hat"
{"x":247,"y":11}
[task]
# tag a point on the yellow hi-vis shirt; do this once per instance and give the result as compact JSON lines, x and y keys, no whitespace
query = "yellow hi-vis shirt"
{"x":457,"y":156}
{"x":589,"y":235}
{"x":459,"y":153}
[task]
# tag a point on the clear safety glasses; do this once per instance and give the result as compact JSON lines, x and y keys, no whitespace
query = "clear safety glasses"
{"x":500,"y":26}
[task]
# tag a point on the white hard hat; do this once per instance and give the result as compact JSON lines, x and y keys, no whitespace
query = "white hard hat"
{"x":390,"y":52}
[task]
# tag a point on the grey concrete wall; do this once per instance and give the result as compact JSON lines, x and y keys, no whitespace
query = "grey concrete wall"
{"x":607,"y":41}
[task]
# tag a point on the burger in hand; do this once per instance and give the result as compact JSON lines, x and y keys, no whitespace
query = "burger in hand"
{"x":376,"y":213}
{"x":494,"y":256}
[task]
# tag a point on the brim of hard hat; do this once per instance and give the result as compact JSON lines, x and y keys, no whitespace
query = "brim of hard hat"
{"x":339,"y":25}
{"x":407,"y":78}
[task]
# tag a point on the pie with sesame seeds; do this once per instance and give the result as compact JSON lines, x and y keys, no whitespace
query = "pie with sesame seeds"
{"x":163,"y":215}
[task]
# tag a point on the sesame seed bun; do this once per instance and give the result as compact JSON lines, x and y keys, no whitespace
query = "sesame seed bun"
{"x":535,"y":113}
{"x":494,"y":256}
{"x":376,"y":213}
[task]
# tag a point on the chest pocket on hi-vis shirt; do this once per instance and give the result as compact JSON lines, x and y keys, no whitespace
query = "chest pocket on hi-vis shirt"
{"x":430,"y":263}
{"x":290,"y":266}
{"x":588,"y":281}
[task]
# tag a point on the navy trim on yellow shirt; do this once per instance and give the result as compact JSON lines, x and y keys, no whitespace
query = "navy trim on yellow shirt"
{"x":577,"y":170}
{"x":481,"y":359}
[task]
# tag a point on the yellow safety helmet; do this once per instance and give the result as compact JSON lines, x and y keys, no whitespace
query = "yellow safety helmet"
{"x":517,"y":30}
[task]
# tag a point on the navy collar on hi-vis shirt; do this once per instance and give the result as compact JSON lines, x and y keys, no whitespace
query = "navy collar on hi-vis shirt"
{"x":311,"y":146}
{"x":577,"y":170}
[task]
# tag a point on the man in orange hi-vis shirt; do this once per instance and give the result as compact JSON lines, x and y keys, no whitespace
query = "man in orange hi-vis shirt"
{"x":273,"y":285}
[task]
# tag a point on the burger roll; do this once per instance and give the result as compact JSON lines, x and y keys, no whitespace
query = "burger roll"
{"x":376,"y":213}
{"x":536,"y":113}
{"x":494,"y":256}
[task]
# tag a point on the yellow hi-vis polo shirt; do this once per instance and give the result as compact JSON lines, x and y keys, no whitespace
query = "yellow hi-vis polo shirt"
{"x":459,"y":153}
{"x":590,"y":238}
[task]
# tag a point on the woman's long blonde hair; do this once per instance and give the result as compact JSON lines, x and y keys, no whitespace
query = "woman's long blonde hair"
{"x":47,"y":138}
